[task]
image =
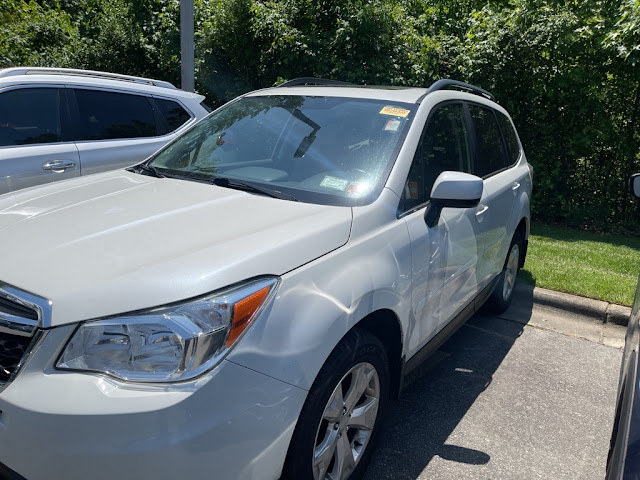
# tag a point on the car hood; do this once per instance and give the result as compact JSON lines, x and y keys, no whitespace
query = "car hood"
{"x":118,"y":242}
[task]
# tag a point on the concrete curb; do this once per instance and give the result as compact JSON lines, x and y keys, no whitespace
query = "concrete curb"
{"x":604,"y":312}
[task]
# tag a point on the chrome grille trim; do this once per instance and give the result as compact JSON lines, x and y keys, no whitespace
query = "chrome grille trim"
{"x":14,"y":326}
{"x":40,"y":305}
{"x":23,"y":316}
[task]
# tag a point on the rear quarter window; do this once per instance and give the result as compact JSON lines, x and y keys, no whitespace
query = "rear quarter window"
{"x":174,"y":115}
{"x":510,"y":138}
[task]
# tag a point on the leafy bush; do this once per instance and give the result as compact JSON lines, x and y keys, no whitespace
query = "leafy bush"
{"x":566,"y":70}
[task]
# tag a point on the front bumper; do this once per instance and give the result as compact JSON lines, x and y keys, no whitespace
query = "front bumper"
{"x":232,"y":423}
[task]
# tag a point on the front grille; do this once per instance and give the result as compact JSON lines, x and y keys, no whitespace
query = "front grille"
{"x":12,"y":350}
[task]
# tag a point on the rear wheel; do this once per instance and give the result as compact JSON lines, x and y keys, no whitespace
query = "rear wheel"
{"x":341,"y":416}
{"x":501,"y":297}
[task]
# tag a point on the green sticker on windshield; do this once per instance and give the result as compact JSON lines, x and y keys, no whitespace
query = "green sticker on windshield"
{"x":335,"y":183}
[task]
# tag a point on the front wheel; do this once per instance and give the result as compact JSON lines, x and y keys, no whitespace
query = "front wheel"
{"x":336,"y":429}
{"x":501,"y":297}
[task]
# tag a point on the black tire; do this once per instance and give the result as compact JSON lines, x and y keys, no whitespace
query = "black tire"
{"x":502,"y":294}
{"x":359,"y":355}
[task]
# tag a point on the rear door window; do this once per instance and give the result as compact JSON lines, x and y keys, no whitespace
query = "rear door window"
{"x":30,"y":116}
{"x":174,"y":115}
{"x":110,"y":115}
{"x":490,"y":149}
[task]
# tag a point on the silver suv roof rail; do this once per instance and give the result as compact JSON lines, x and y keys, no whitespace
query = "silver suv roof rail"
{"x":446,"y":83}
{"x":313,"y":81}
{"x":8,"y":72}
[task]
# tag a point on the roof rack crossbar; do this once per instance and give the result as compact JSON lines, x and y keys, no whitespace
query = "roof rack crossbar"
{"x":446,"y":83}
{"x":8,"y":72}
{"x":312,"y":81}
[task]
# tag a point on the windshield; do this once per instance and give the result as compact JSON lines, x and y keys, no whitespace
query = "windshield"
{"x":327,"y":150}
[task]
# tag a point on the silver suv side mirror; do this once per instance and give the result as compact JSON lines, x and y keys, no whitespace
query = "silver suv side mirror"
{"x":454,"y":190}
{"x":634,"y":185}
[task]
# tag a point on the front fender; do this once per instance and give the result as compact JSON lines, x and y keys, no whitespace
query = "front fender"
{"x":317,"y":304}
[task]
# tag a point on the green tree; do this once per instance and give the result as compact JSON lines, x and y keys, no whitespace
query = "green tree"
{"x":567,"y":70}
{"x":33,"y":34}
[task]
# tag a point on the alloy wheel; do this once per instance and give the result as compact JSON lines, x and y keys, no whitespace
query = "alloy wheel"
{"x":347,"y":423}
{"x":510,"y":272}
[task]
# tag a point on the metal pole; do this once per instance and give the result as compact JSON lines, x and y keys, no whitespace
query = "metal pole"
{"x":186,"y":45}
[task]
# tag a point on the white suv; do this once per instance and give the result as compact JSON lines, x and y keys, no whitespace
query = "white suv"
{"x":62,"y":123}
{"x":243,"y":304}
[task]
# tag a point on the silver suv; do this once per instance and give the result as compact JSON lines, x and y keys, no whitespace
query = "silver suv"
{"x":243,"y":304}
{"x":61,"y":123}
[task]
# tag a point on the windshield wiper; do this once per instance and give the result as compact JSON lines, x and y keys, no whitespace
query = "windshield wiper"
{"x":147,"y":169}
{"x":309,"y":139}
{"x":250,"y":187}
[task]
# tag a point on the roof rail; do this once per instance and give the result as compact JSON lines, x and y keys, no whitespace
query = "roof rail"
{"x":446,"y":83}
{"x":313,"y":81}
{"x":8,"y":72}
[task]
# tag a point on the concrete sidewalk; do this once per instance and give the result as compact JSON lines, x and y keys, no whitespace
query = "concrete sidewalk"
{"x":582,"y":317}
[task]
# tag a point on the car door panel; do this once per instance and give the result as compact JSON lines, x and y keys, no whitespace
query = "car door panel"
{"x":496,"y":205}
{"x":29,"y":165}
{"x":501,"y":190}
{"x":445,"y":256}
{"x":463,"y":247}
{"x":114,"y":129}
{"x":428,"y":247}
{"x":497,"y":159}
{"x":107,"y":155}
{"x":34,"y":143}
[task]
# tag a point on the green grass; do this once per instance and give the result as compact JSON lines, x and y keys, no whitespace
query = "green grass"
{"x":600,"y":266}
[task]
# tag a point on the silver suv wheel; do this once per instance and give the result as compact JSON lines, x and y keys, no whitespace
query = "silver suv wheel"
{"x":501,"y":297}
{"x":341,"y":417}
{"x":347,"y":423}
{"x":510,"y":272}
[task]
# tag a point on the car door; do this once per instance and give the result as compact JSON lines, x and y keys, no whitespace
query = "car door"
{"x":502,"y":182}
{"x":34,"y":143}
{"x":444,"y":257}
{"x":116,"y":129}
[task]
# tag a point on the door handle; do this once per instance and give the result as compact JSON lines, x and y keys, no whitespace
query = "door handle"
{"x":480,"y":213}
{"x":58,"y":166}
{"x":516,"y":186}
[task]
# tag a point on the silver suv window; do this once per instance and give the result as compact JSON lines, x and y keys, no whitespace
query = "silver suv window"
{"x":109,"y":115}
{"x":327,"y":150}
{"x":30,"y":116}
{"x":173,"y":113}
{"x":510,"y":138}
{"x":444,"y":146}
{"x":490,"y":149}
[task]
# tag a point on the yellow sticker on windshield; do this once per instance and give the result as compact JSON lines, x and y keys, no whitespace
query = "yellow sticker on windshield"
{"x":396,"y":112}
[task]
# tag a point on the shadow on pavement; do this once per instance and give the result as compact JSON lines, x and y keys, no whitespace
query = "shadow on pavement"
{"x":439,"y":393}
{"x":526,"y":277}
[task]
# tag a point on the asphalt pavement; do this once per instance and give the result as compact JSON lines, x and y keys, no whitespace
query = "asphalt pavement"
{"x":529,"y":394}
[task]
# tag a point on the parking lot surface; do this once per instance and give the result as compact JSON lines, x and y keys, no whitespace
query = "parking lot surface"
{"x":507,"y":398}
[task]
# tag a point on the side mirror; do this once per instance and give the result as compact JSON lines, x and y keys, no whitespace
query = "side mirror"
{"x":454,"y":190}
{"x":634,"y":185}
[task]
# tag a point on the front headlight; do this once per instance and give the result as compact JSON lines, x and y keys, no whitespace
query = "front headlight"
{"x":168,"y":344}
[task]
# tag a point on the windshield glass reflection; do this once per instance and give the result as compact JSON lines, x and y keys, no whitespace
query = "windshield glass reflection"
{"x":318,"y":149}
